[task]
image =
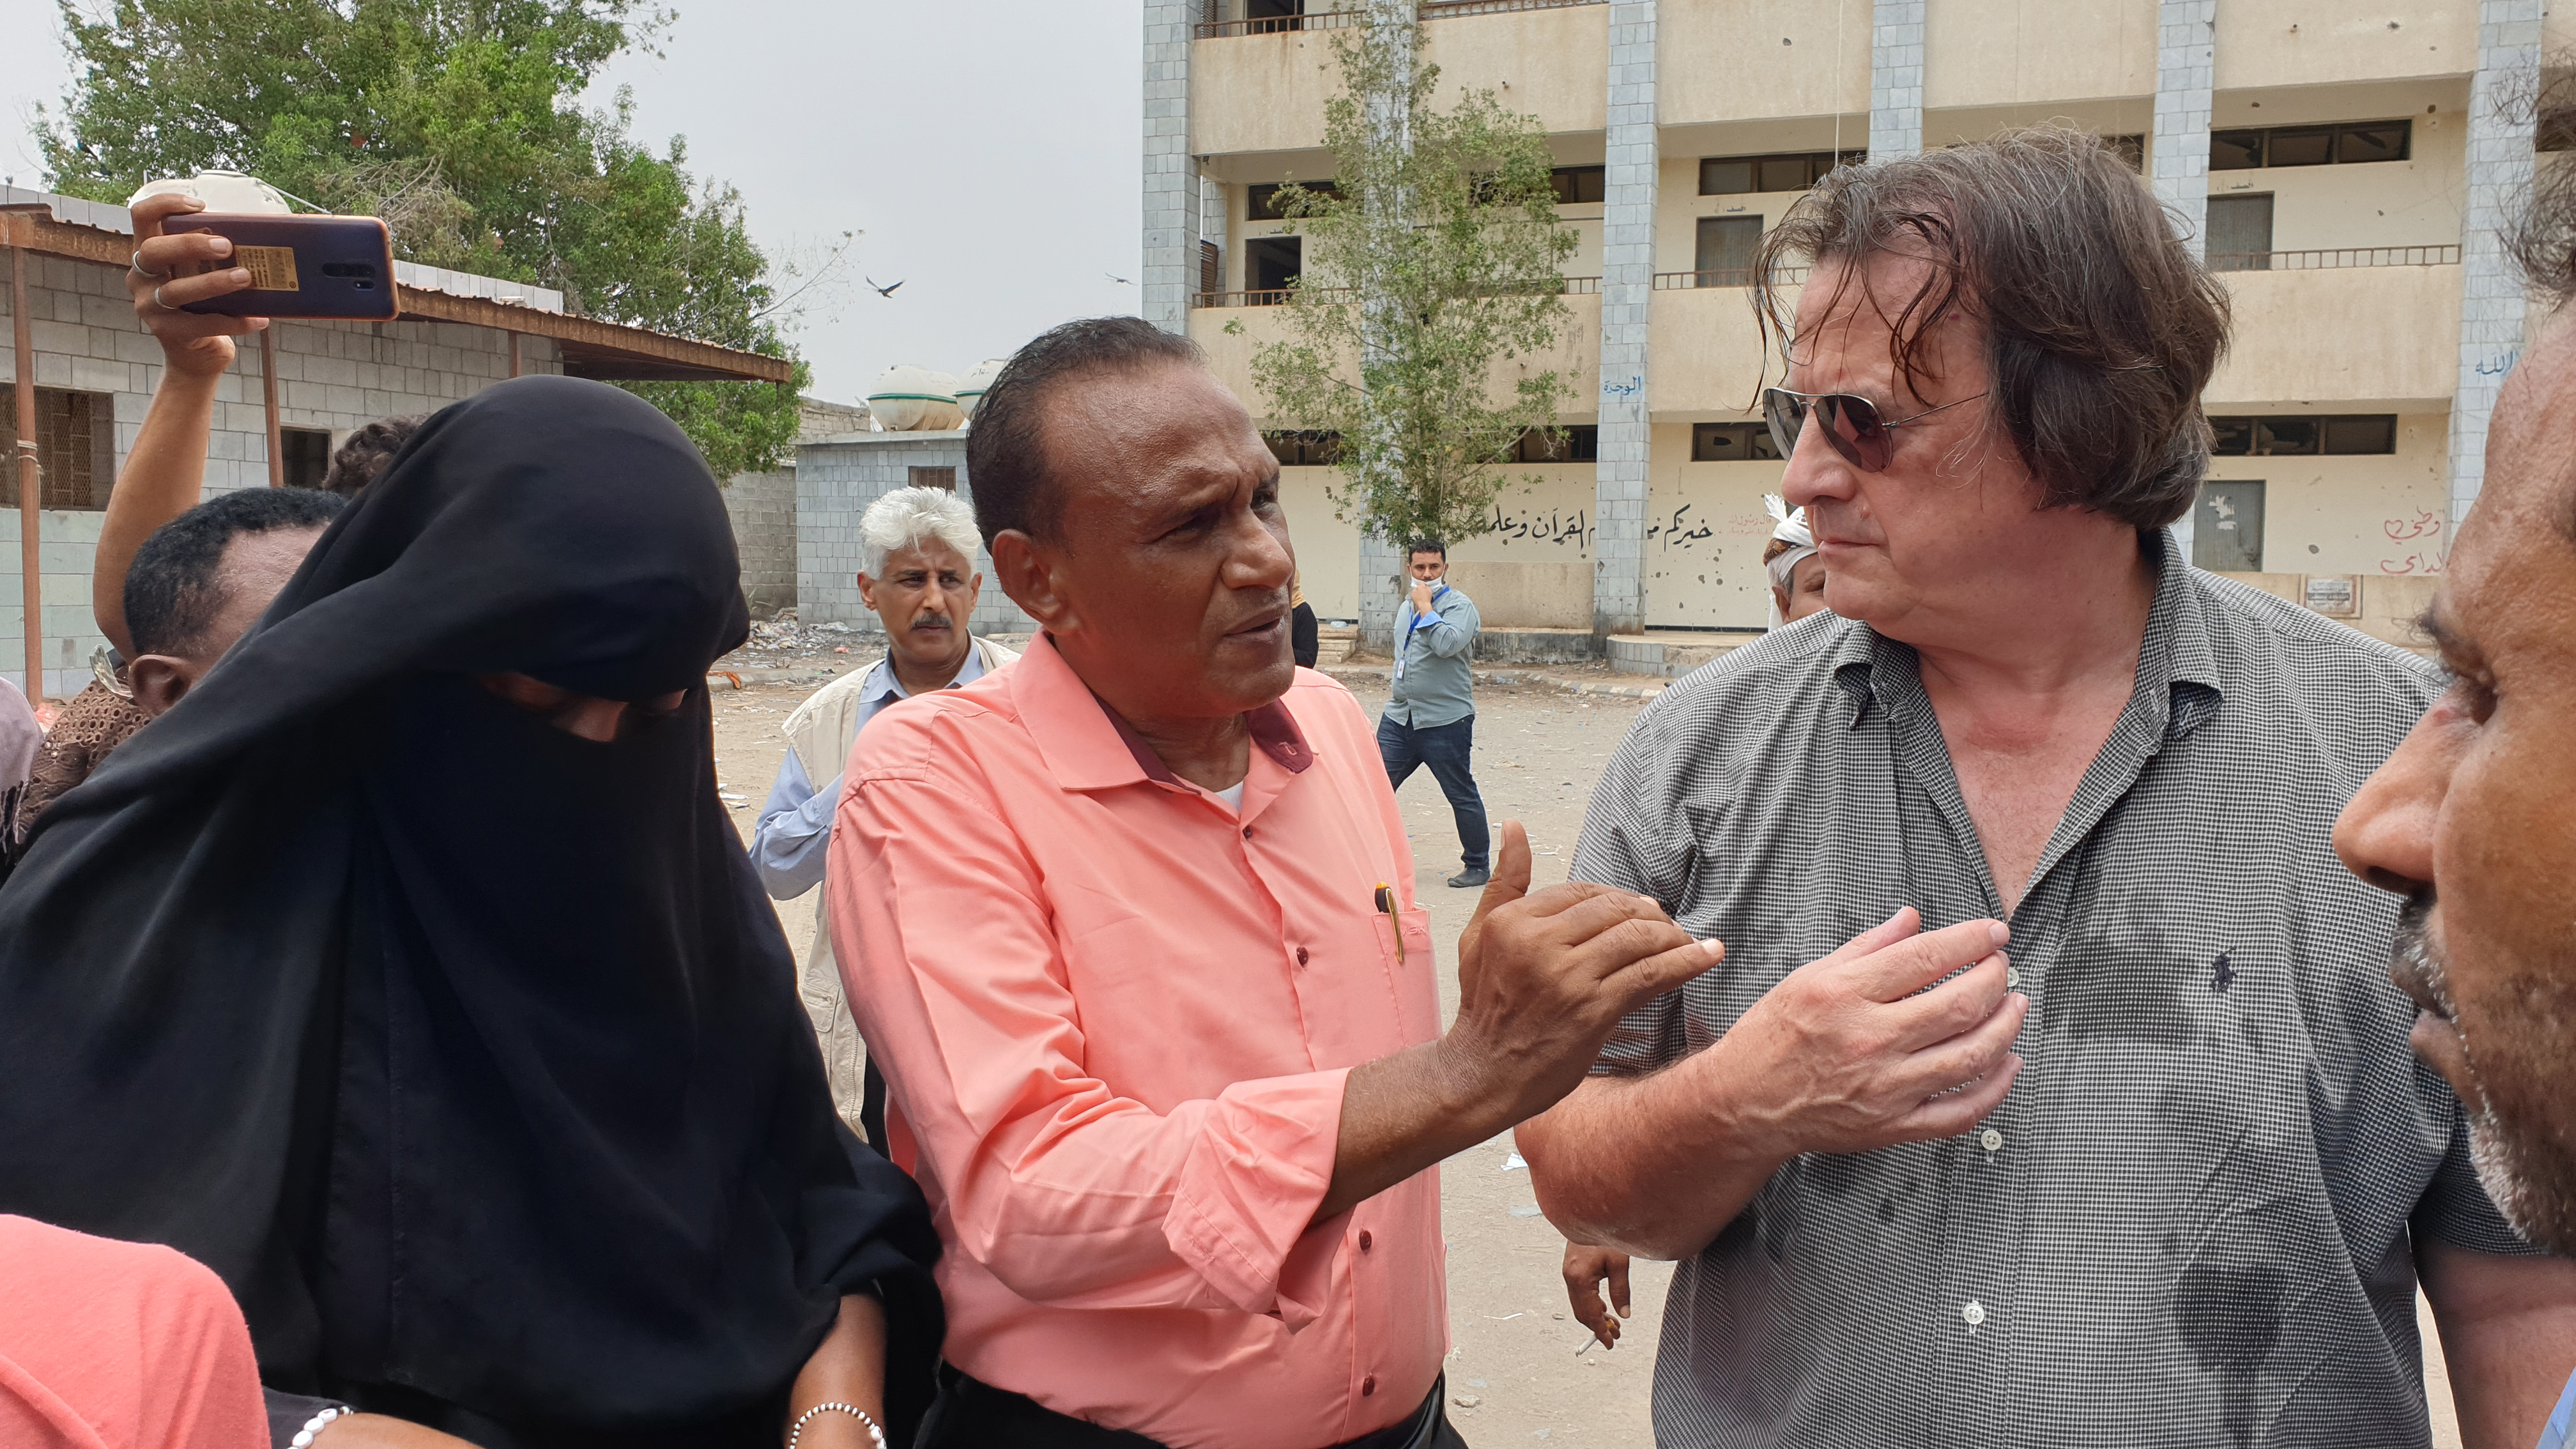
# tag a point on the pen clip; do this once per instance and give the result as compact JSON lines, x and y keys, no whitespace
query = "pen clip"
{"x":1394,"y":922}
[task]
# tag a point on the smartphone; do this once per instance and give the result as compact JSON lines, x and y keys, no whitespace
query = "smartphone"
{"x":300,"y":266}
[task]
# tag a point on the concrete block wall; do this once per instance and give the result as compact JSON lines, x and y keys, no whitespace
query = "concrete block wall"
{"x":335,"y":375}
{"x":2186,"y":69}
{"x":2492,"y":304}
{"x":1633,"y":154}
{"x":1896,"y":79}
{"x":1172,"y":198}
{"x":835,"y":483}
{"x":762,"y":509}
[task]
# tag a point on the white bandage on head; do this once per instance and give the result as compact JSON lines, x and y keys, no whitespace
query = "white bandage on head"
{"x":1791,"y":529}
{"x":1790,"y":524}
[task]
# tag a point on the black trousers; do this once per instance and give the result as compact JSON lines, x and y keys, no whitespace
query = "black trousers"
{"x":974,"y":1415}
{"x":1447,"y":749}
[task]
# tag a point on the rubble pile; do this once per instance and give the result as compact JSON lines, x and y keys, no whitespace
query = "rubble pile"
{"x":784,"y":647}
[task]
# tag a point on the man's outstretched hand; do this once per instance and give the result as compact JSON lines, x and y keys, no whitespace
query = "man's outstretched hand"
{"x":1542,"y":979}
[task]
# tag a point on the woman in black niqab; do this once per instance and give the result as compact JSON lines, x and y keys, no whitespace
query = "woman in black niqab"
{"x":467,"y":1050}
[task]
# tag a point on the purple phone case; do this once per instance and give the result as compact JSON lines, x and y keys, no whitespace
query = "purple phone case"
{"x":344,"y":265}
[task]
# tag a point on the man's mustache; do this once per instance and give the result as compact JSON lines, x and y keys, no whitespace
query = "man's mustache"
{"x":929,"y":621}
{"x":2415,"y":963}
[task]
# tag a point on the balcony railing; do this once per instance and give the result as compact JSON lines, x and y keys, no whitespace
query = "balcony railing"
{"x":1451,"y":9}
{"x":1726,"y":277}
{"x":1340,"y":19}
{"x":1283,"y":296}
{"x":1274,"y":24}
{"x":1265,"y":297}
{"x":2332,"y":258}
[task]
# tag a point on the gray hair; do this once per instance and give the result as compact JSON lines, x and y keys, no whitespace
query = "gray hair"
{"x":909,"y":517}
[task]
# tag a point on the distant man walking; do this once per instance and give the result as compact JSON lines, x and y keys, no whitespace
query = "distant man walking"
{"x":1431,"y":709}
{"x":918,"y":545}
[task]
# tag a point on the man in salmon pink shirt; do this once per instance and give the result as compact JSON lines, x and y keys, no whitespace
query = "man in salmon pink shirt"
{"x":1131,"y":927}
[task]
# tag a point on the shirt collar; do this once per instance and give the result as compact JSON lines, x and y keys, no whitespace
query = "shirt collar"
{"x":1088,"y":747}
{"x":2176,"y":653}
{"x":881,"y":684}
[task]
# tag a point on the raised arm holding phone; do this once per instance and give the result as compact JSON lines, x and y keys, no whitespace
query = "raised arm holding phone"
{"x":165,"y":473}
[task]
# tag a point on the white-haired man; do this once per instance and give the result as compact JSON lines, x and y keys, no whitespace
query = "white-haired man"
{"x":919,"y":548}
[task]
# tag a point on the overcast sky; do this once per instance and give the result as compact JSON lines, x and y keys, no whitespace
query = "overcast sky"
{"x":990,"y":157}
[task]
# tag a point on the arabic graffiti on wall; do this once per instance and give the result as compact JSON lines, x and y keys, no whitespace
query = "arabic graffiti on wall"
{"x":1685,"y":528}
{"x":2424,"y":530}
{"x":1556,"y":526}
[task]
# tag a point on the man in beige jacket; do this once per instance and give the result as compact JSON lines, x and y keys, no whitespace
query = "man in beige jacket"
{"x":919,"y":550}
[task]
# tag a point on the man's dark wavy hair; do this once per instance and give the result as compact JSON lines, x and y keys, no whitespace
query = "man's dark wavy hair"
{"x":1007,"y":464}
{"x":363,"y":456}
{"x":2101,"y":329}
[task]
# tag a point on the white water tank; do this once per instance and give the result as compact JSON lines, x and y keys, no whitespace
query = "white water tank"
{"x":233,"y":192}
{"x":913,"y":399}
{"x":970,"y":388}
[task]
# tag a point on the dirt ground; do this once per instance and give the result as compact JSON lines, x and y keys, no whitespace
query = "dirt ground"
{"x":1521,"y":1369}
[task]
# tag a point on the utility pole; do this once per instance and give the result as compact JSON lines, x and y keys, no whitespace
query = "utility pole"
{"x":30,"y":471}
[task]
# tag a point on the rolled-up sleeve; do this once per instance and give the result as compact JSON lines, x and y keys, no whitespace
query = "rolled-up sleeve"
{"x":1065,"y":1191}
{"x":1451,"y":632}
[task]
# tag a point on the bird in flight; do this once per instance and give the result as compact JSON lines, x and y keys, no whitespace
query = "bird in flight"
{"x":880,"y":291}
{"x":1122,"y":281}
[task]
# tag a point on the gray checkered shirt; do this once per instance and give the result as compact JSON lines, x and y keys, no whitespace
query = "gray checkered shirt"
{"x":2188,"y":1223}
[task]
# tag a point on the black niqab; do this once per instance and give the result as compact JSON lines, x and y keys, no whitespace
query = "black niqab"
{"x":466,"y":1050}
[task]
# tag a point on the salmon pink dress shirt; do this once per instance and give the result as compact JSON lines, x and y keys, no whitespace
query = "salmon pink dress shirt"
{"x":1115,"y":1018}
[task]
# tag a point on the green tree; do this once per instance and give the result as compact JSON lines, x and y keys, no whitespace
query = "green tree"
{"x":460,"y":122}
{"x":1432,"y":260}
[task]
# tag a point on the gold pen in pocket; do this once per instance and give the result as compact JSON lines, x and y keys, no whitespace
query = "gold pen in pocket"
{"x":1395,"y":923}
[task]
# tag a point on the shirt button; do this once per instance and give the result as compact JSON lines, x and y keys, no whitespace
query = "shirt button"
{"x":1366,"y":1242}
{"x":1247,"y":832}
{"x":2012,"y":978}
{"x":1991,"y":1140}
{"x":1368,"y":1386}
{"x":1301,"y":955}
{"x":1975,"y":1313}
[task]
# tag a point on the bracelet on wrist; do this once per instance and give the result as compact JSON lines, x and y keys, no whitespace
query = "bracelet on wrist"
{"x":876,"y":1435}
{"x":315,"y":1425}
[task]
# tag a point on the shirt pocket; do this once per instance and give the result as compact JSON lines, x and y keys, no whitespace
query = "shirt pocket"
{"x":1410,"y":975}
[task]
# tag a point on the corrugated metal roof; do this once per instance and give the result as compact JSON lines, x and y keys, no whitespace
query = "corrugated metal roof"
{"x":101,"y":216}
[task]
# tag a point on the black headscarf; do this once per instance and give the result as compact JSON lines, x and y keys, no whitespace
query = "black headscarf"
{"x":466,"y":1050}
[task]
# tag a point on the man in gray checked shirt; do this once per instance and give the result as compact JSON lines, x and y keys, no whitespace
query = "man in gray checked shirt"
{"x":2150,"y":1164}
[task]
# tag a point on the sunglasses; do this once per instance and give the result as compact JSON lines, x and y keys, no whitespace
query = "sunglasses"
{"x":1853,"y":427}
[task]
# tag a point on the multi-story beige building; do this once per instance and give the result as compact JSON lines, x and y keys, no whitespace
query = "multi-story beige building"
{"x":2343,"y":162}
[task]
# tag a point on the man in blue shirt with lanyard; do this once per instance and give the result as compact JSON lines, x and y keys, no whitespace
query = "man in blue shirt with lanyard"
{"x":2469,"y":820}
{"x":1431,"y":703}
